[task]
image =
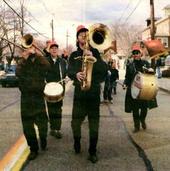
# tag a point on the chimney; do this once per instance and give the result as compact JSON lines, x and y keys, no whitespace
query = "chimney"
{"x":167,"y":10}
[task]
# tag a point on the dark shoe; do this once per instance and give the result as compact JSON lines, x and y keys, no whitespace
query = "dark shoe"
{"x":136,"y":130}
{"x":33,"y":155}
{"x":143,"y":125}
{"x":77,"y":147}
{"x":105,"y":101}
{"x":43,"y":143}
{"x":93,"y":158}
{"x":110,"y":101}
{"x":56,"y":133}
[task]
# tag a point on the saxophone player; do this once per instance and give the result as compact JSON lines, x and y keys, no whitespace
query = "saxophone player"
{"x":86,"y":103}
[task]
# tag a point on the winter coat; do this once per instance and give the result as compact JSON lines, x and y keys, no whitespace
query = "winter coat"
{"x":132,"y":69}
{"x":98,"y":74}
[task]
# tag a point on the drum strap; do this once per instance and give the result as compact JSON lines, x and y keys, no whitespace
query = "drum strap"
{"x":61,"y":73}
{"x":60,"y":70}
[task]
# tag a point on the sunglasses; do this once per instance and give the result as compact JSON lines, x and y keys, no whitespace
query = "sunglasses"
{"x":135,"y":52}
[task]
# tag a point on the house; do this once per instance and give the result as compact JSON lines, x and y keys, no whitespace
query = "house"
{"x":162,"y":29}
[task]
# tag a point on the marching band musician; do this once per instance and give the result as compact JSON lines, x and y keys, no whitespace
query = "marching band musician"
{"x":46,"y":49}
{"x":139,"y":108}
{"x":86,"y":103}
{"x":56,"y":73}
{"x":31,"y":71}
{"x":110,"y":81}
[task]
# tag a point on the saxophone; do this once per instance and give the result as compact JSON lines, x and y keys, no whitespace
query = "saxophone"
{"x":87,"y":67}
{"x":99,"y":37}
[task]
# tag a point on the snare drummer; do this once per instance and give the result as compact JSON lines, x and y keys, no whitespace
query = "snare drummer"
{"x":56,"y":73}
{"x":139,"y":108}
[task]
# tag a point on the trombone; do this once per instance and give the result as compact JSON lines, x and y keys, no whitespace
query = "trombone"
{"x":27,"y":41}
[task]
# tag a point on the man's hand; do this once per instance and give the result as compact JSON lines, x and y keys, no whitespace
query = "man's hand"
{"x":88,"y":52}
{"x":29,"y":51}
{"x":150,"y":70}
{"x":80,"y":76}
{"x":124,"y":86}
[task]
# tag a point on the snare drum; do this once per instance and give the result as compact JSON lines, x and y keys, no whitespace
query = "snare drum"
{"x":144,"y":86}
{"x":53,"y":92}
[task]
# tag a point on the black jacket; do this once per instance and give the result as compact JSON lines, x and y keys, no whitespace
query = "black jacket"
{"x":53,"y":74}
{"x":98,"y":74}
{"x":31,"y":74}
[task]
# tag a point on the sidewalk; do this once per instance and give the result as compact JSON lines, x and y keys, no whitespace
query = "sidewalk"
{"x":164,"y":84}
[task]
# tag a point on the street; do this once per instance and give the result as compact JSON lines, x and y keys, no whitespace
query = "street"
{"x":10,"y":123}
{"x":118,"y":147}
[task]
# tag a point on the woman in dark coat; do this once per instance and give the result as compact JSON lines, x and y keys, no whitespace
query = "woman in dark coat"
{"x":138,"y":107}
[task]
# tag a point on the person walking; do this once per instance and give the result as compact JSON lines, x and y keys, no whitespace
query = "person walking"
{"x":86,"y":102}
{"x":31,"y":71}
{"x":138,"y":107}
{"x":56,"y":73}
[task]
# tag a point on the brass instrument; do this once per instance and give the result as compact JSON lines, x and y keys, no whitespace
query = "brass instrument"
{"x":87,"y":66}
{"x":27,"y":41}
{"x":99,"y":37}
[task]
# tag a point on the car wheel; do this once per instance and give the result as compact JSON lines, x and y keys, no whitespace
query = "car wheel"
{"x":3,"y":85}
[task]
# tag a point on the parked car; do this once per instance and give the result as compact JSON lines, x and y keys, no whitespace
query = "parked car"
{"x":9,"y":78}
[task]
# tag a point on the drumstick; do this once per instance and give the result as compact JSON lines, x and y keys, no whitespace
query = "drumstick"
{"x":120,"y":84}
{"x":149,"y":70}
{"x":65,"y":79}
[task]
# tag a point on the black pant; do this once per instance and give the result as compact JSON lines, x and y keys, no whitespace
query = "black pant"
{"x":107,"y":94}
{"x":139,"y":115}
{"x":33,"y":112}
{"x":83,"y":107}
{"x":55,"y":115}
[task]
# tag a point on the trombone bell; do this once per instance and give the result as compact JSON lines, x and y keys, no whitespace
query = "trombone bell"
{"x":100,"y":36}
{"x":27,"y":41}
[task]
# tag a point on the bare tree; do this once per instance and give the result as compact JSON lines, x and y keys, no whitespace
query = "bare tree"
{"x":11,"y":28}
{"x":126,"y":35}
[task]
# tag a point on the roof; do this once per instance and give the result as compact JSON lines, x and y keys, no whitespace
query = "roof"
{"x":157,"y":22}
{"x":167,"y":7}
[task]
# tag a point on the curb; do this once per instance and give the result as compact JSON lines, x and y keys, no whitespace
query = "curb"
{"x":16,"y":156}
{"x":164,"y":89}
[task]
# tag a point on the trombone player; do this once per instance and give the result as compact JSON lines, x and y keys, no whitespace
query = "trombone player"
{"x":86,"y":102}
{"x":31,"y":71}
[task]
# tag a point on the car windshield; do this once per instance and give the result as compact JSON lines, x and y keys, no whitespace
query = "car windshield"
{"x":11,"y":69}
{"x":1,"y":67}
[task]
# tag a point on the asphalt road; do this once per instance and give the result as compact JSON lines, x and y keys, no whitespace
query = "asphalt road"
{"x":118,"y":148}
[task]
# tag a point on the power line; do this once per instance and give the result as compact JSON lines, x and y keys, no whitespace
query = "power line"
{"x":132,"y":11}
{"x":23,"y":19}
{"x":45,"y":7}
{"x":125,"y":10}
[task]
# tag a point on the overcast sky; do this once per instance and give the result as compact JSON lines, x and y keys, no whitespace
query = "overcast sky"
{"x":67,"y":14}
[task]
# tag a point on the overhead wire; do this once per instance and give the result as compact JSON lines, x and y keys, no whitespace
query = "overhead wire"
{"x":127,"y":6}
{"x":24,"y":20}
{"x":132,"y":11}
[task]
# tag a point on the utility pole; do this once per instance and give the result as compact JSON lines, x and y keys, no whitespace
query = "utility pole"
{"x":152,"y":29}
{"x":52,"y":29}
{"x":67,"y":35}
{"x":22,"y":20}
{"x":152,"y":18}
